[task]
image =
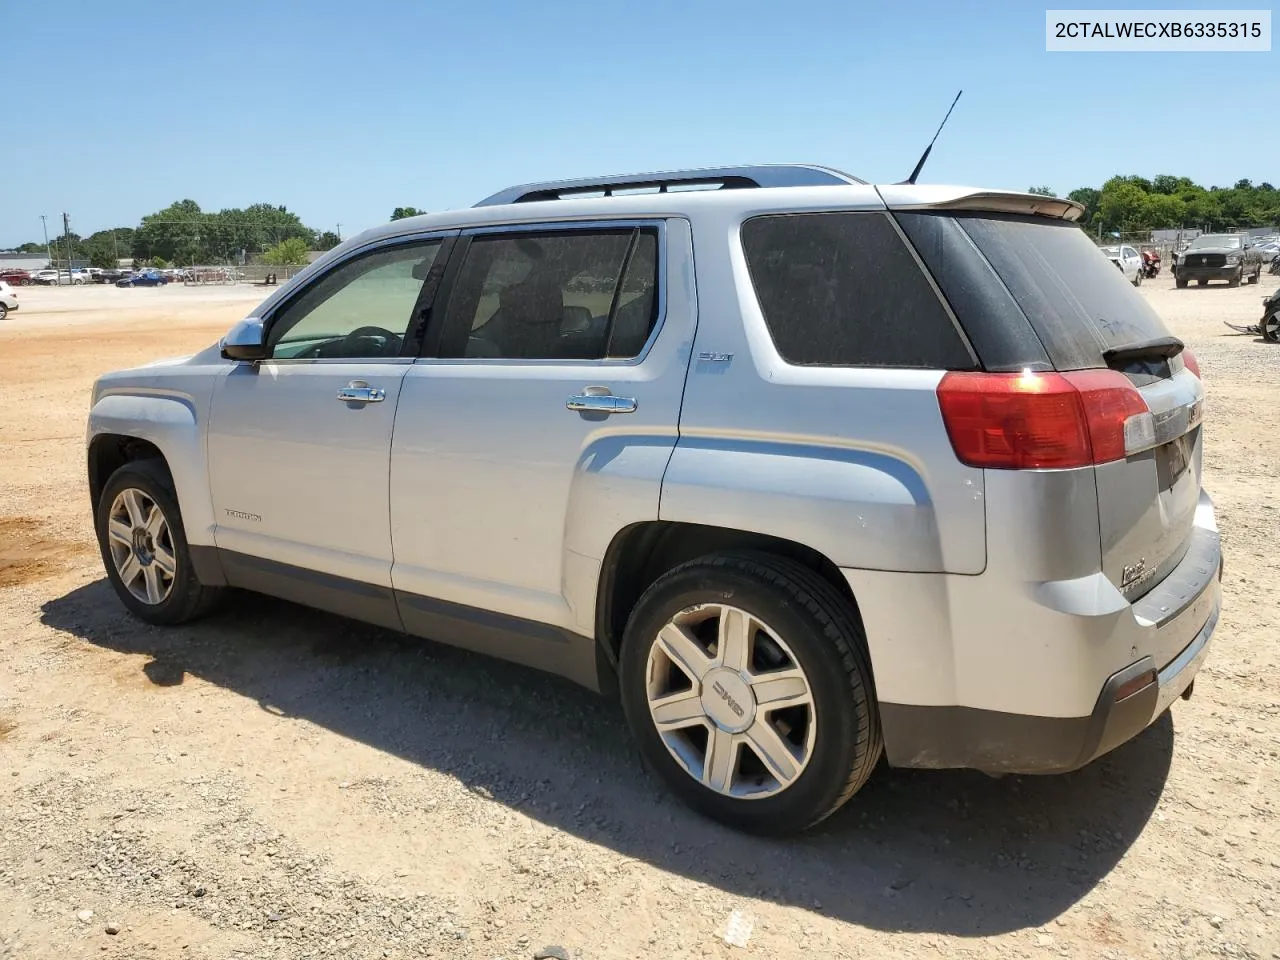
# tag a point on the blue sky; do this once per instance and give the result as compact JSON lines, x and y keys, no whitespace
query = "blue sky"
{"x":343,"y":111}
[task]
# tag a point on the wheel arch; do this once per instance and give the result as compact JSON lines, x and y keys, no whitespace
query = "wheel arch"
{"x":642,"y":552}
{"x":108,"y":452}
{"x":129,"y":426}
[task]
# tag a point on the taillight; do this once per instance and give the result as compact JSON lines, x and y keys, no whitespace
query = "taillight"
{"x":1192,"y":364}
{"x":1022,"y":421}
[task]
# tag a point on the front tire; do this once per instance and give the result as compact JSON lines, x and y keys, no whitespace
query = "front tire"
{"x":144,"y":546}
{"x":4,"y":311}
{"x":1235,"y":281}
{"x":1180,"y":282}
{"x":746,"y":683}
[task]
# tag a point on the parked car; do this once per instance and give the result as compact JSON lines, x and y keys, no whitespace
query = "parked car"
{"x":8,"y":299}
{"x":1128,"y":260}
{"x":111,"y":275}
{"x":789,"y":528}
{"x":16,"y":277}
{"x":46,"y":277}
{"x":1219,"y":256}
{"x":143,"y":278}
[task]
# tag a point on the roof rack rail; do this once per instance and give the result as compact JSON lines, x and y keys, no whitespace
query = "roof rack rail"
{"x":723,"y":178}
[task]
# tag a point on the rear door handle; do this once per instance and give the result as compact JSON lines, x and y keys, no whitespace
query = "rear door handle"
{"x":357,"y":391}
{"x":601,"y":403}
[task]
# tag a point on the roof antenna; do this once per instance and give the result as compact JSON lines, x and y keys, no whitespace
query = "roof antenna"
{"x":925,"y":156}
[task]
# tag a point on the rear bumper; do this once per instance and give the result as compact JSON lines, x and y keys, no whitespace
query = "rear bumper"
{"x":948,"y":737}
{"x":1172,"y":624}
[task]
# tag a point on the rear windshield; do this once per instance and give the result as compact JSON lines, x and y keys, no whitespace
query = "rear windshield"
{"x":1076,"y":301}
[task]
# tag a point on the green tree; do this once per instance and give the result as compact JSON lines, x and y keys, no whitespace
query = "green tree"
{"x":1162,"y":210}
{"x":108,"y":245}
{"x":400,"y":213}
{"x":1122,"y":205}
{"x":160,"y":263}
{"x":1042,"y":191}
{"x":327,"y":240}
{"x":1088,"y":198}
{"x":184,"y":232}
{"x":291,"y":252}
{"x":103,"y":258}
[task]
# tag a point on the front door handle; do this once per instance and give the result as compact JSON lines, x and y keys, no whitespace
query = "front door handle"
{"x":357,"y":391}
{"x":601,"y":403}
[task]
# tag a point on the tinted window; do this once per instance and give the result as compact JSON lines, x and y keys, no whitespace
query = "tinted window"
{"x":573,"y":295}
{"x":1078,"y":303}
{"x":842,"y":289}
{"x":359,"y":309}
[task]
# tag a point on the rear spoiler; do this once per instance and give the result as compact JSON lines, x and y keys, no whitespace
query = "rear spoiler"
{"x":911,"y":197}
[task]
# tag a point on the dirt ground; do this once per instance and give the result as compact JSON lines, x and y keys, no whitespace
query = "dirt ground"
{"x":274,"y":782}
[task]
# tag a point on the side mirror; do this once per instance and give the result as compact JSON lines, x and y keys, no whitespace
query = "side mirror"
{"x":245,"y":341}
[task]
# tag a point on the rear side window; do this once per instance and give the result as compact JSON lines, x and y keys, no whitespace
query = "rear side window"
{"x":1074,"y":298}
{"x":575,"y":295}
{"x":842,"y":289}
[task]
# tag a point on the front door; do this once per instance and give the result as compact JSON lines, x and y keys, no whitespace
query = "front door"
{"x":299,"y":443}
{"x":544,"y":424}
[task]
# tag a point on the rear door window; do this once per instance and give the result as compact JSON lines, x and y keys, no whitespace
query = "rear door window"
{"x":1074,"y":298}
{"x":843,"y":289}
{"x":582,"y":294}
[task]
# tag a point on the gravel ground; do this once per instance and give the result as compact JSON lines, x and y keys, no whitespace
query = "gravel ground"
{"x":278,"y":783}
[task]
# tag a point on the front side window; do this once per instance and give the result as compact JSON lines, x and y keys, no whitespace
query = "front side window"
{"x":571,"y":295}
{"x":359,"y":310}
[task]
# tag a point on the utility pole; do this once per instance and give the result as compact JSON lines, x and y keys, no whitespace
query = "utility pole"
{"x":339,"y":233}
{"x":115,"y":247}
{"x":48,"y":251}
{"x":66,"y":235}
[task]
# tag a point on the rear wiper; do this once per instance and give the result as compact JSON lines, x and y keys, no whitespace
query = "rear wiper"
{"x":1161,"y":348}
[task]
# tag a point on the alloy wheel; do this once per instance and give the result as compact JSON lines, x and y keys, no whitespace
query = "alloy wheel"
{"x":141,"y":546}
{"x":730,"y":701}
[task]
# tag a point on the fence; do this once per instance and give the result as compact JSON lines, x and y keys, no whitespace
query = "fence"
{"x":201,"y":275}
{"x":1167,"y":242}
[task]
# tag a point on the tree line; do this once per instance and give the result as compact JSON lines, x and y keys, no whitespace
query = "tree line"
{"x":183,"y":234}
{"x":1130,"y":204}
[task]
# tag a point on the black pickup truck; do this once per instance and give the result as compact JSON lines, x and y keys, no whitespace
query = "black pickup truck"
{"x":1218,"y":256}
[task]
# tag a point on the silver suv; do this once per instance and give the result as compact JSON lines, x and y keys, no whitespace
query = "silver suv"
{"x":802,"y":469}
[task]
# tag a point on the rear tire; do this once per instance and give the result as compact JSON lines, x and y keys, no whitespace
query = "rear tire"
{"x":1202,"y":283}
{"x":831,"y":738}
{"x":4,"y":311}
{"x":167,"y":598}
{"x":1270,"y":327}
{"x":1137,"y":279}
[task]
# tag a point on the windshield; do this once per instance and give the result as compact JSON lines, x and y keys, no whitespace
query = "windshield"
{"x":1111,"y":251}
{"x":1227,"y":240}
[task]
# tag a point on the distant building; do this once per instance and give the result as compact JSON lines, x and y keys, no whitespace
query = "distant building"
{"x":23,"y":261}
{"x":1173,"y":236}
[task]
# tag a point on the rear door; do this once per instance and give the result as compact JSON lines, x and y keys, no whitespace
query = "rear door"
{"x":542,"y":424}
{"x":1084,"y":316}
